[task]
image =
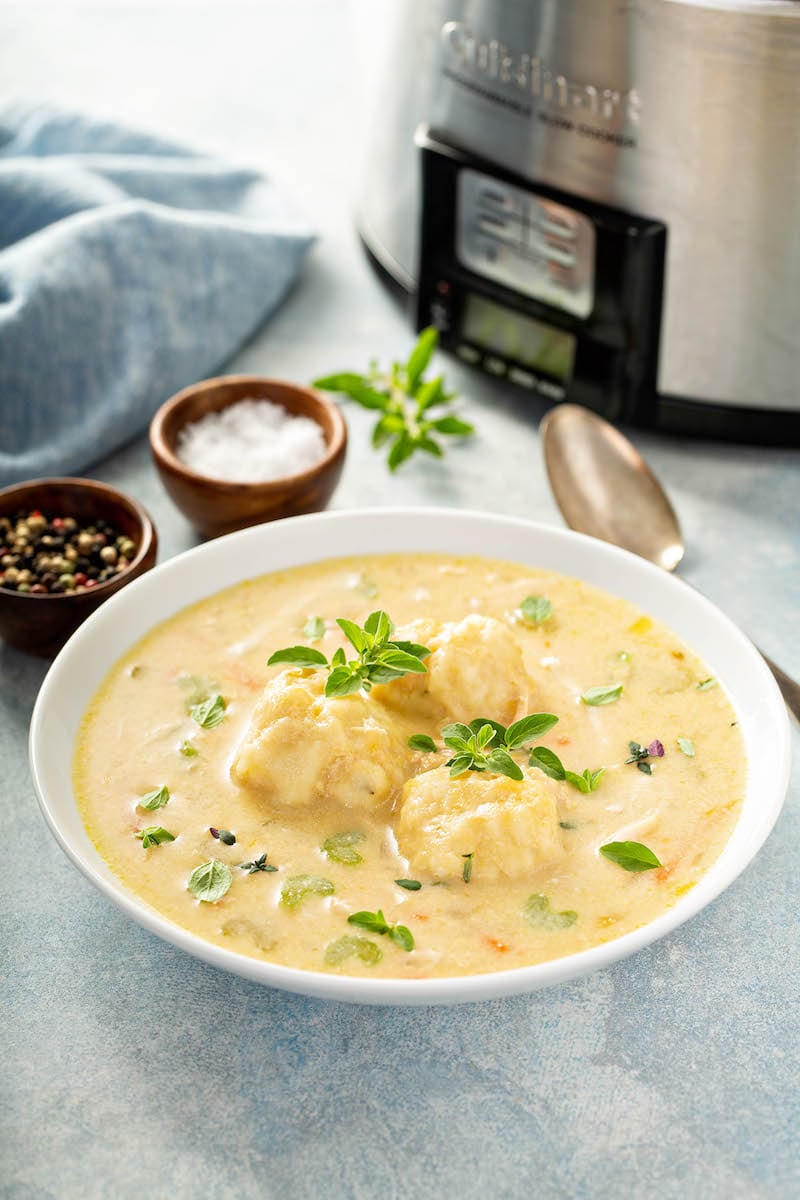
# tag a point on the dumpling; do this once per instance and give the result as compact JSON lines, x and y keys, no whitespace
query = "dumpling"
{"x":475,"y":669}
{"x":301,"y":748}
{"x":511,"y":827}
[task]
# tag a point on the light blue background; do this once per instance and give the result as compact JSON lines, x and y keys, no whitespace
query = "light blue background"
{"x":128,"y":1069}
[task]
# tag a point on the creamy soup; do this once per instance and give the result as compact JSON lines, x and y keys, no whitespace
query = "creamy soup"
{"x":340,"y":833}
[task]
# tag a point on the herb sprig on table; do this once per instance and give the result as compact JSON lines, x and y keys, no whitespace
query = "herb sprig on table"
{"x":405,"y":400}
{"x":381,"y":659}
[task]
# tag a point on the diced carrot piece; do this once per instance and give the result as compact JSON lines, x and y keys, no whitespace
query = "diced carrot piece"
{"x":496,"y":944}
{"x":563,"y":740}
{"x":421,"y":917}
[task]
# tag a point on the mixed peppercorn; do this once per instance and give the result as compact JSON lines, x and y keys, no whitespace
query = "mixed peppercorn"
{"x":47,"y":555}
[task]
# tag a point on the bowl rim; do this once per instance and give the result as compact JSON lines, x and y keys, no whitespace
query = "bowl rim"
{"x":768,"y":714}
{"x":166,"y":457}
{"x":147,"y":527}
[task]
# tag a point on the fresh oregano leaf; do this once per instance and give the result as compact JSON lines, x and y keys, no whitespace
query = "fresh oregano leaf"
{"x":351,"y":946}
{"x":421,"y":741}
{"x":528,"y":729}
{"x":155,"y":799}
{"x":154,"y":835}
{"x":314,"y":629}
{"x":298,"y":887}
{"x":548,"y":761}
{"x":411,"y":885}
{"x":687,"y":746}
{"x":298,"y":656}
{"x":603,"y":694}
{"x":209,"y":712}
{"x":210,"y":881}
{"x":536,"y":609}
{"x":631,"y":856}
{"x":537,"y":912}
{"x":341,"y":847}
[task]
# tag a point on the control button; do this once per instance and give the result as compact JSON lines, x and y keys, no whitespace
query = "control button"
{"x":468,"y":353}
{"x":497,"y":197}
{"x":523,"y":378}
{"x":495,"y":366}
{"x":440,"y":315}
{"x":554,"y":391}
{"x":497,"y":227}
{"x":563,"y":257}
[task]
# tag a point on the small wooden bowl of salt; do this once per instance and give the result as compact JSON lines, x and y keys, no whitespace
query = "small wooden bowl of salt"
{"x":242,"y":449}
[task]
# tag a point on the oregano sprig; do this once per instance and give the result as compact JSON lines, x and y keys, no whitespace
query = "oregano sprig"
{"x":486,"y":745}
{"x":375,"y":922}
{"x":404,"y":398}
{"x":381,"y":658}
{"x":548,"y":761}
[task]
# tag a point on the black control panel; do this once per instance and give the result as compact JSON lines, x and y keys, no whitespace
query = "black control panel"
{"x":554,"y":293}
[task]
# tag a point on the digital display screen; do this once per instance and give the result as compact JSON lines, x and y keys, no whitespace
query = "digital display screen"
{"x":521,"y":339}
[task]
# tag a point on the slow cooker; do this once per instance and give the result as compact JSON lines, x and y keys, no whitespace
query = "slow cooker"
{"x":599,"y":200}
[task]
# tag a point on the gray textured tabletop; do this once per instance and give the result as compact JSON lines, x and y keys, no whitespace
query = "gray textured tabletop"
{"x":130,"y":1069}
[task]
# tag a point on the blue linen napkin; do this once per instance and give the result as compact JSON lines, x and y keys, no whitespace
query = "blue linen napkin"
{"x":129,"y":267}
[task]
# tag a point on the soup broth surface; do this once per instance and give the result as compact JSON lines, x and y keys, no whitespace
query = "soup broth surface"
{"x":474,"y":911}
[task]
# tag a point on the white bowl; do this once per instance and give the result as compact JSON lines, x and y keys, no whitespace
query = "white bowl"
{"x":107,"y":634}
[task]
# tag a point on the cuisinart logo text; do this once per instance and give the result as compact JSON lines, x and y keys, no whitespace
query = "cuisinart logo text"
{"x":473,"y":60}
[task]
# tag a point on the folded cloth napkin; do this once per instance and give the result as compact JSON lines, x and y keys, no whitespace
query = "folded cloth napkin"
{"x":129,"y":267}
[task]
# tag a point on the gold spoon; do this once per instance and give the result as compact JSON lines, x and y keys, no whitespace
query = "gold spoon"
{"x":604,"y":488}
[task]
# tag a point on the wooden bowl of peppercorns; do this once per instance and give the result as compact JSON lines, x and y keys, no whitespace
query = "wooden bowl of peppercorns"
{"x":66,"y":545}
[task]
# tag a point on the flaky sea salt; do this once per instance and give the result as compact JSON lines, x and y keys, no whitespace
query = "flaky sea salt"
{"x":252,"y":441}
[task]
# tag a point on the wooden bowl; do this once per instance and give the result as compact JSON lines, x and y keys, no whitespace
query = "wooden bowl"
{"x":38,"y":623}
{"x":216,"y":506}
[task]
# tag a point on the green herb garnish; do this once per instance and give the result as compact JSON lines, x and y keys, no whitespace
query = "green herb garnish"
{"x":209,"y":712}
{"x":587,"y":781}
{"x":380,"y":658}
{"x":549,"y":762}
{"x":639,"y":755}
{"x":603,"y":694}
{"x":223,"y":835}
{"x":188,"y":750}
{"x":486,"y":745}
{"x":314,"y":629}
{"x":705,"y":685}
{"x":536,"y":609}
{"x":154,"y":835}
{"x":257,"y":865}
{"x":155,"y":799}
{"x":375,"y":922}
{"x":348,"y":946}
{"x":631,"y":856}
{"x":466,"y":874}
{"x":404,"y":399}
{"x":210,"y":881}
{"x":411,"y":885}
{"x":537,"y":912}
{"x":341,"y":848}
{"x":421,"y":741}
{"x":296,"y":889}
{"x":687,"y":746}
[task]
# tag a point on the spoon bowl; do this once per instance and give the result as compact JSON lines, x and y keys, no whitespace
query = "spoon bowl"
{"x":603,"y":487}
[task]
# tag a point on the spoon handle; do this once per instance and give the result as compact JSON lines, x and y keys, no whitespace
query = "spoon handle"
{"x":790,"y":688}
